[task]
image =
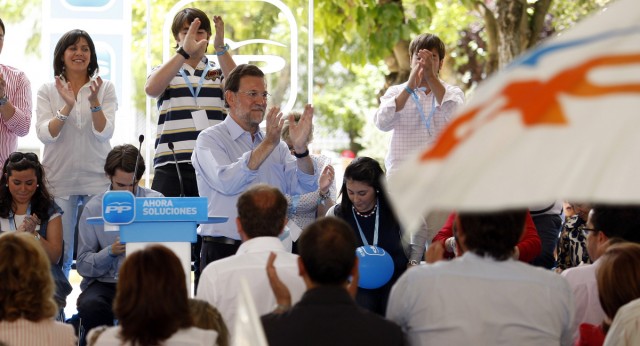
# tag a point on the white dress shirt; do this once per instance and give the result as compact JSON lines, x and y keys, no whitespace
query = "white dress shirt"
{"x":625,"y":329}
{"x":410,"y":131}
{"x":220,"y":281}
{"x":220,"y":160}
{"x":582,"y":280}
{"x":473,"y":300}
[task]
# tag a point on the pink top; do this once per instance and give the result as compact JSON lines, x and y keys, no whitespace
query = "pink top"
{"x":19,"y":94}
{"x":22,"y":332}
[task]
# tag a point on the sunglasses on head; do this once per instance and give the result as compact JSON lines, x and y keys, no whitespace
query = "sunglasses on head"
{"x":18,"y":156}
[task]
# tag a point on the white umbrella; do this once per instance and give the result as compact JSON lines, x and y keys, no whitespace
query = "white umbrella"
{"x":561,"y":122}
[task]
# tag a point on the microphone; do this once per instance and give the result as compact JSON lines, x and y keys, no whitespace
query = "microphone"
{"x":170,"y":145}
{"x":135,"y":170}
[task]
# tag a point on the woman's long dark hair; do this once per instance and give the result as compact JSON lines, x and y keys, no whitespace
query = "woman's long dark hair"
{"x":41,"y":201}
{"x":367,"y":171}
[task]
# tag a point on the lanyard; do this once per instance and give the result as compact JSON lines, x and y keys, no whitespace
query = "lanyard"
{"x":375,"y":230}
{"x":295,"y":200}
{"x":190,"y":86}
{"x":12,"y":220}
{"x":427,"y":121}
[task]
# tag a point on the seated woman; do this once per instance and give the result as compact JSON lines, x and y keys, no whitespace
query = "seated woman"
{"x":26,"y":295}
{"x":618,"y":280}
{"x":151,"y":304}
{"x":27,"y":207}
{"x":528,"y":247}
{"x":572,"y":247}
{"x":364,"y":206}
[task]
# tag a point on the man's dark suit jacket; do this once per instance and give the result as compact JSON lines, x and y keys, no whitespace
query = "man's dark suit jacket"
{"x":327,"y":315}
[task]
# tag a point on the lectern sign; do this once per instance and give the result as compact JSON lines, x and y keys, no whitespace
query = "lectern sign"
{"x":118,"y":207}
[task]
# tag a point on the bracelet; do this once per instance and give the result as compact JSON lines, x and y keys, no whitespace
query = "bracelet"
{"x":96,"y":109}
{"x":305,"y":154}
{"x":181,"y":51}
{"x":226,"y":48}
{"x":61,"y":116}
{"x":408,"y":90}
{"x":322,"y":198}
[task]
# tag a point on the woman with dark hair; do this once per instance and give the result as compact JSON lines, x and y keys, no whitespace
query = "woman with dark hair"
{"x":27,"y":207}
{"x":26,"y":292}
{"x":152,"y":304}
{"x":364,"y":206}
{"x":76,"y":115}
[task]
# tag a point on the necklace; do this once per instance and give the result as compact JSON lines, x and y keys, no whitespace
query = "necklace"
{"x":367,"y":214}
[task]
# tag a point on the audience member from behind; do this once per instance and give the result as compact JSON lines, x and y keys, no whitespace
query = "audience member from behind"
{"x":15,"y":104}
{"x":262,"y":215}
{"x":27,"y":206}
{"x":616,"y":287}
{"x":364,"y":206}
{"x":526,"y":250}
{"x":605,"y":222}
{"x":27,"y":307}
{"x":76,"y":119}
{"x":305,"y":208}
{"x":152,"y":304}
{"x":205,"y":316}
{"x":101,"y":253}
{"x":484,"y":297}
{"x":618,"y":278}
{"x":327,"y":313}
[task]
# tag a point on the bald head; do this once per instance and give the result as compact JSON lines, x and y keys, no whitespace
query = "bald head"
{"x":262,"y":211}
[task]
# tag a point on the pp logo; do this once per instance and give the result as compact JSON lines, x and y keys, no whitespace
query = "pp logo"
{"x":118,"y":207}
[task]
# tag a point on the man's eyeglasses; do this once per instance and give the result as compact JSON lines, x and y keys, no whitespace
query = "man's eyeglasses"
{"x":18,"y":156}
{"x":587,"y":230}
{"x":254,"y":94}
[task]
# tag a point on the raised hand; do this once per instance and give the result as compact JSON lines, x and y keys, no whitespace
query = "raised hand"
{"x":280,"y":290}
{"x":326,"y":179}
{"x":65,"y":91}
{"x":95,"y":88}
{"x":430,"y":62}
{"x":275,"y":122}
{"x":299,"y":132}
{"x":218,"y":39}
{"x":190,"y":45}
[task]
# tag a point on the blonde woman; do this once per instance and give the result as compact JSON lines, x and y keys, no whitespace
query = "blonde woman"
{"x":27,"y":307}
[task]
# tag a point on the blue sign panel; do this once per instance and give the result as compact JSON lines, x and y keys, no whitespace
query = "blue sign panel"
{"x":118,"y":207}
{"x":171,"y":209}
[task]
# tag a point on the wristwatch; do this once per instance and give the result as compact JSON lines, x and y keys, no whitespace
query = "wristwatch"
{"x":182,"y":52}
{"x":3,"y":100}
{"x":413,"y":262}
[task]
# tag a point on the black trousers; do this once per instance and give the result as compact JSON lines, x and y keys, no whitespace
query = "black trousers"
{"x":95,"y":307}
{"x":165,"y":181}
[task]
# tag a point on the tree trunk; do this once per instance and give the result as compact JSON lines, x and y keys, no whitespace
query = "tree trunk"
{"x":509,"y":16}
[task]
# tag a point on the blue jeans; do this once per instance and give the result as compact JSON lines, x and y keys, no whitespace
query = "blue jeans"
{"x":70,"y":206}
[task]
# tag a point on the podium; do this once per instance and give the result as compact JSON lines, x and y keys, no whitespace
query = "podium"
{"x":169,"y":221}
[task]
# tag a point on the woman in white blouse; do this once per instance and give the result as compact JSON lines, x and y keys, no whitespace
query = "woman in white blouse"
{"x":76,"y":115}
